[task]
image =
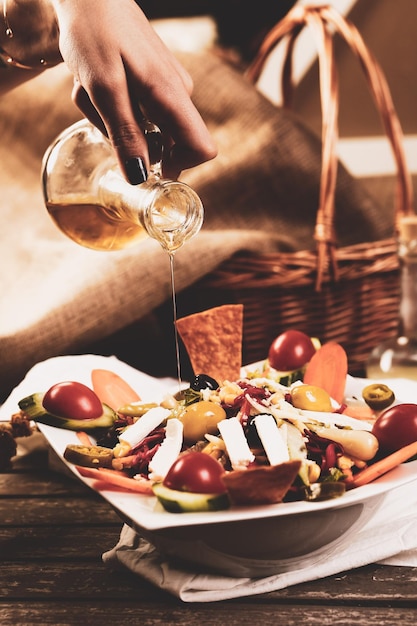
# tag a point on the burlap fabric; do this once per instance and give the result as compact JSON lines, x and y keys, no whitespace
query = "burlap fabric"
{"x":261,"y":193}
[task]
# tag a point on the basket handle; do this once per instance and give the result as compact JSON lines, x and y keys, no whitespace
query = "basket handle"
{"x":324,"y":21}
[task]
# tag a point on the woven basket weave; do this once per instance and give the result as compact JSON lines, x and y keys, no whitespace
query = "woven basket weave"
{"x":347,"y":294}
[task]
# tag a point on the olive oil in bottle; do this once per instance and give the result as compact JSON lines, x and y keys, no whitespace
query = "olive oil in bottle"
{"x":91,"y":202}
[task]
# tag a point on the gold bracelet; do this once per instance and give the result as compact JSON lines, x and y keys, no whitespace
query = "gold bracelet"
{"x":3,"y":64}
{"x":10,"y":60}
{"x":5,"y":59}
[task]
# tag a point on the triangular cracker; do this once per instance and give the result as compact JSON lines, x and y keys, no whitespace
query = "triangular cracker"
{"x":213,"y":340}
{"x":261,"y":485}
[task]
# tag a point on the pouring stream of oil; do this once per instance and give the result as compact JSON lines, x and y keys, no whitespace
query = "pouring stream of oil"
{"x":174,"y":307}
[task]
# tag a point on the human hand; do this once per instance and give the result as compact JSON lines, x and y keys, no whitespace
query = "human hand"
{"x":122,"y":72}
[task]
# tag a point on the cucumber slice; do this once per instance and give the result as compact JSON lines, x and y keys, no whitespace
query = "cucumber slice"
{"x":32,"y":406}
{"x":187,"y":502}
{"x":288,"y":378}
{"x":317,"y":492}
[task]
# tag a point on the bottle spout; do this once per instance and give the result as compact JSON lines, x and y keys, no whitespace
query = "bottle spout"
{"x":174,"y":215}
{"x":176,"y":212}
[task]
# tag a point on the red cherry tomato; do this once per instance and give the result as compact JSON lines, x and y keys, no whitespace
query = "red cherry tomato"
{"x":290,"y":351}
{"x":196,"y":472}
{"x":396,"y":427}
{"x":72,"y":400}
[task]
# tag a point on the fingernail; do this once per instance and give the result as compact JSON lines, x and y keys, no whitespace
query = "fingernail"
{"x":136,"y":171}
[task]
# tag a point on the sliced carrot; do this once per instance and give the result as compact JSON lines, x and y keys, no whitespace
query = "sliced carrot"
{"x":112,"y":389}
{"x":379,"y":468}
{"x":112,"y":478}
{"x":84,"y":439}
{"x":100,"y":485}
{"x":328,"y":369}
{"x":360,"y":412}
{"x":124,"y":462}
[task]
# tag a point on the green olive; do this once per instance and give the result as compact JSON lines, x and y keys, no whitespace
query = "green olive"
{"x":200,"y":418}
{"x":378,"y":396}
{"x":311,"y":398}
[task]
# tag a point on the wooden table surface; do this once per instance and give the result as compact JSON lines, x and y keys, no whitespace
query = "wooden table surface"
{"x":53,"y":530}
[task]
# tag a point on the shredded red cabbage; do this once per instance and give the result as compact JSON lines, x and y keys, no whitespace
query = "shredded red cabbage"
{"x":324,"y":452}
{"x":145,"y":451}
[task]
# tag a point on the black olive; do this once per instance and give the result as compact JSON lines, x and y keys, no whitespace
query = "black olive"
{"x":251,"y":434}
{"x":109,"y":438}
{"x":202,"y":381}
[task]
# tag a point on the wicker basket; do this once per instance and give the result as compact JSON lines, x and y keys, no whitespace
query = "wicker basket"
{"x":350,"y":294}
{"x":358,"y":310}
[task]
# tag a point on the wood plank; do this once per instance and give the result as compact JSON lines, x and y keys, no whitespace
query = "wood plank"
{"x":170,"y":612}
{"x":62,"y":510}
{"x":70,"y":580}
{"x":48,"y":579}
{"x":372,"y":583}
{"x":71,"y":542}
{"x":379,"y":583}
{"x":39,"y":483}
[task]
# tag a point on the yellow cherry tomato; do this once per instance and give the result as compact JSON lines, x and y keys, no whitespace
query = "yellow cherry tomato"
{"x":200,"y":418}
{"x":311,"y":398}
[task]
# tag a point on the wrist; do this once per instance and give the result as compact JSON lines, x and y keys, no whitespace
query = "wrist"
{"x":29,"y":34}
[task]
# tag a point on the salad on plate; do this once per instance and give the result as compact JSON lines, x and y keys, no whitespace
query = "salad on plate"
{"x":282,"y":430}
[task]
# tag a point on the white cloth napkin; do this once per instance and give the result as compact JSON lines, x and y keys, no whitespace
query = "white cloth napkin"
{"x":390,"y":537}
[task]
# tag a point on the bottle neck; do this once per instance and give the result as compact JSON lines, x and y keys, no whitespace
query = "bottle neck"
{"x":408,"y":305}
{"x":130,"y":202}
{"x":408,"y":261}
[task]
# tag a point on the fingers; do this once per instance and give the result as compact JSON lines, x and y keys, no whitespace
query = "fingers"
{"x":81,"y":99}
{"x":124,"y":72}
{"x":121,"y":125}
{"x":186,"y":138}
{"x":169,"y":105}
{"x":190,"y":145}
